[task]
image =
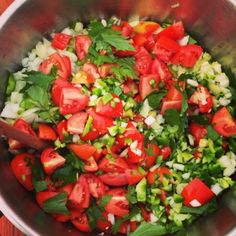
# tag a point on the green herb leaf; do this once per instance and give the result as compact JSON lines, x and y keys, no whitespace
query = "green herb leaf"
{"x":75,"y":161}
{"x":115,"y":39}
{"x":149,"y":229}
{"x":105,"y":199}
{"x":67,"y":174}
{"x":154,"y":99}
{"x":200,"y":119}
{"x":211,"y":133}
{"x":131,"y":195}
{"x":172,"y":117}
{"x":56,"y":204}
{"x":184,"y":106}
{"x":39,"y":95}
{"x":94,"y":214}
{"x":40,"y":185}
{"x":39,"y":79}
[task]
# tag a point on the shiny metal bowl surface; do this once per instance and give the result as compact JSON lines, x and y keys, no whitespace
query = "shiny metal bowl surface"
{"x":212,"y":22}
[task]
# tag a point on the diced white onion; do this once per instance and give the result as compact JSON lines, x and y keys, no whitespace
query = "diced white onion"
{"x":153,"y":168}
{"x":178,"y":166}
{"x":169,"y":163}
{"x":75,"y":138}
{"x":216,"y":189}
{"x":78,"y":27}
{"x":149,"y":120}
{"x":186,"y":175}
{"x":228,"y":171}
{"x":124,"y":153}
{"x":225,"y":161}
{"x":30,"y":115}
{"x":134,"y":145}
{"x":111,"y":218}
{"x":10,"y":111}
{"x":184,"y":41}
{"x":104,"y":22}
{"x":191,"y":139}
{"x":192,"y":82}
{"x":153,"y":218}
{"x":16,"y":97}
{"x":195,"y":203}
{"x":123,"y":124}
{"x":71,"y":55}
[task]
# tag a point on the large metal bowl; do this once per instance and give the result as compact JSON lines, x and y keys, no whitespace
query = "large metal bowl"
{"x":212,"y":22}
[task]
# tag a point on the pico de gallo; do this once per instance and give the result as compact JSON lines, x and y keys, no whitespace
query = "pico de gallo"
{"x":140,"y":121}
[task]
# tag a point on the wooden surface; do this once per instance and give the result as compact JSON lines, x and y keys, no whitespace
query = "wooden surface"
{"x":6,"y":228}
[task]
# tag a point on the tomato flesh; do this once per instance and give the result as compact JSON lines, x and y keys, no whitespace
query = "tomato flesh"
{"x":21,"y":167}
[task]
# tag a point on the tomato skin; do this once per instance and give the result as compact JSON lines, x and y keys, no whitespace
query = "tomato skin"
{"x":80,"y":196}
{"x":22,"y":170}
{"x":224,"y":123}
{"x":104,"y":224}
{"x":82,"y":44}
{"x":130,"y":87}
{"x":198,"y":132}
{"x":131,"y":132}
{"x":72,"y":101}
{"x":108,"y":164}
{"x":57,"y":60}
{"x":143,"y":61}
{"x":187,"y":56}
{"x":165,"y":152}
{"x":46,"y":132}
{"x":41,"y":197}
{"x":165,"y":48}
{"x":76,"y":123}
{"x":134,"y":176}
{"x":174,"y":31}
{"x":145,"y":84}
{"x":56,"y":90}
{"x":114,"y":179}
{"x":160,"y":68}
{"x":109,"y":111}
{"x":166,"y":105}
{"x":136,"y":157}
{"x":91,"y":165}
{"x":23,"y":126}
{"x":96,"y":187}
{"x":61,"y":129}
{"x":61,"y":40}
{"x":133,"y":226}
{"x":118,"y":205}
{"x":151,"y":159}
{"x":101,"y":123}
{"x":67,"y":188}
{"x":82,"y":151}
{"x":90,"y":136}
{"x":205,"y":104}
{"x":160,"y":172}
{"x":82,"y":223}
{"x":140,"y":40}
{"x":105,"y":69}
{"x":145,"y":214}
{"x":174,"y":94}
{"x":51,"y":160}
{"x":197,"y":190}
{"x":92,"y":70}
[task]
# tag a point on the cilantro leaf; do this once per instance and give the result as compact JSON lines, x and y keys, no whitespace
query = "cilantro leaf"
{"x":115,"y":39}
{"x":105,"y":199}
{"x":94,"y":214}
{"x":40,"y":185}
{"x":56,"y":204}
{"x":67,"y":174}
{"x":149,"y":229}
{"x":184,"y":106}
{"x":39,"y":79}
{"x":39,"y":95}
{"x":105,"y":38}
{"x":154,"y":99}
{"x":172,"y":117}
{"x":200,"y":119}
{"x":212,"y":134}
